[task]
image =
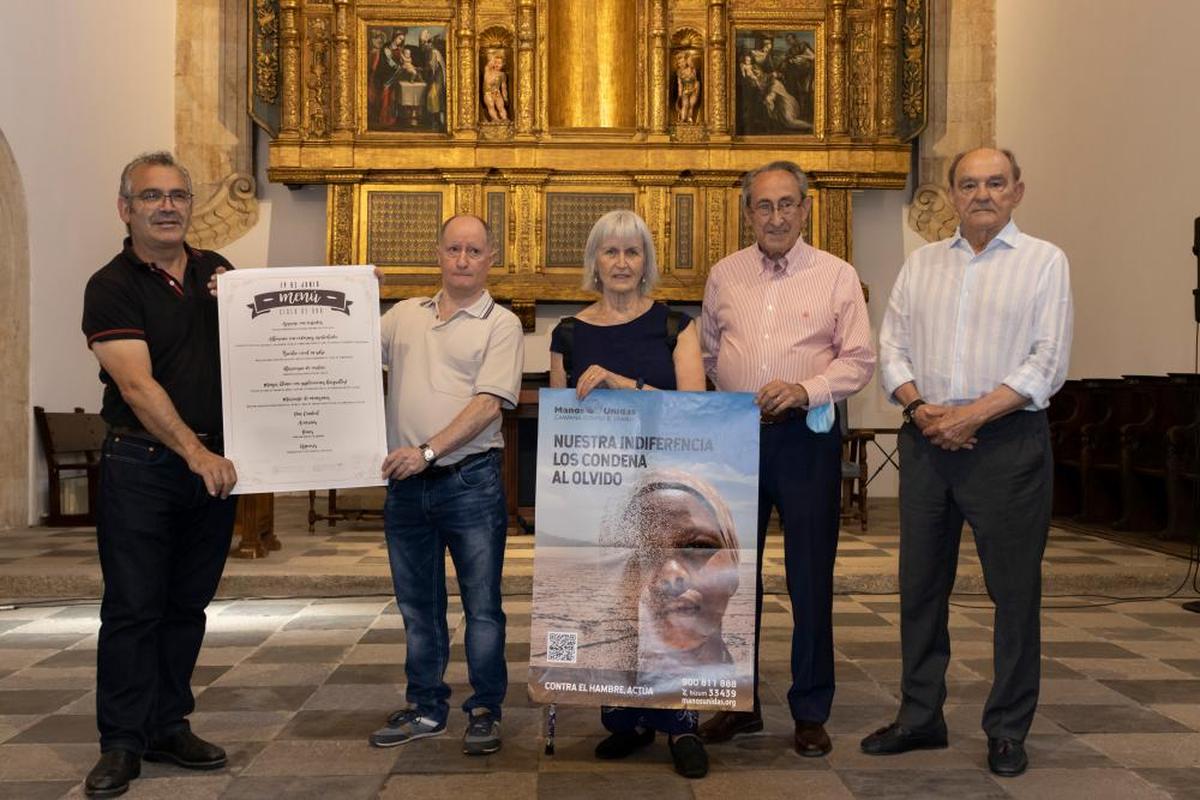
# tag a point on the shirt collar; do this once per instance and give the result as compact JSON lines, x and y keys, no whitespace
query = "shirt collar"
{"x":1007,"y":236}
{"x":131,"y":254}
{"x":791,"y":260}
{"x":480,"y":309}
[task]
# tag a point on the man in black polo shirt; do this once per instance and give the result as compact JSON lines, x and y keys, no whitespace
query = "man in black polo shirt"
{"x":165,"y":516}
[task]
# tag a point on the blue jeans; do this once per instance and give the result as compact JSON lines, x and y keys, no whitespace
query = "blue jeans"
{"x":461,"y":508}
{"x":163,"y":542}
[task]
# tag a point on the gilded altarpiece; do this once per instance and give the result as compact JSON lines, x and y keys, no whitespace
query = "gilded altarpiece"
{"x":541,"y":115}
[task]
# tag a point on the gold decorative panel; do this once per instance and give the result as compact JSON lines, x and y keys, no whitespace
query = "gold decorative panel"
{"x":684,"y":231}
{"x":570,"y":217}
{"x":540,"y":115}
{"x":402,"y":228}
{"x":497,"y":219}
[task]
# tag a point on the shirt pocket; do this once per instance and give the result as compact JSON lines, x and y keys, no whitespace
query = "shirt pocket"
{"x":455,"y":359}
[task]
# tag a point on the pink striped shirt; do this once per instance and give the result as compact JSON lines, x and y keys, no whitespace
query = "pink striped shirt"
{"x":802,"y":320}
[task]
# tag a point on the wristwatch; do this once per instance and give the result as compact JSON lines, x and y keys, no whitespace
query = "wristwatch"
{"x":427,"y":454}
{"x":911,"y":409}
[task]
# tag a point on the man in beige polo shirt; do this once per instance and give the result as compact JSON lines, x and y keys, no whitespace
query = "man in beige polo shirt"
{"x":454,"y":360}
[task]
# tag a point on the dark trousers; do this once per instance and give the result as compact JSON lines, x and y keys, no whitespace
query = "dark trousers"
{"x":623,"y":719}
{"x":460,"y":508}
{"x":1002,"y":488}
{"x":800,"y":474}
{"x":163,"y":543}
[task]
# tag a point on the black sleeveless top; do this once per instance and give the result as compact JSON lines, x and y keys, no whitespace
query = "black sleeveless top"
{"x":634,"y":349}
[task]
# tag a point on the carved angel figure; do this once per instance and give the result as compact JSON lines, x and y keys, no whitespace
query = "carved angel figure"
{"x":495,"y":87}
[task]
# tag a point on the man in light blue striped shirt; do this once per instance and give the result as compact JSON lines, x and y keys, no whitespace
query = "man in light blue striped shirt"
{"x":975,"y":341}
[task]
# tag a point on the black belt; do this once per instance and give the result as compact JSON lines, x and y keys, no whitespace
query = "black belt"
{"x":147,"y":436}
{"x":438,"y":471}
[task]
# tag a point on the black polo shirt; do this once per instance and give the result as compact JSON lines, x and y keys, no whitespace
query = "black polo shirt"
{"x":130,"y":299}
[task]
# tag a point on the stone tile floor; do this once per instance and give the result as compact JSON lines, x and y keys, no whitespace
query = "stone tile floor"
{"x":351,"y":559}
{"x":292,"y":688}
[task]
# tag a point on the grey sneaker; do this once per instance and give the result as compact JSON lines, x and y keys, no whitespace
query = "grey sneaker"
{"x":406,"y":726}
{"x":483,"y":733}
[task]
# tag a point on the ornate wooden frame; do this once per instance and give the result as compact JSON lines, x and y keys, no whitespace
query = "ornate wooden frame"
{"x":870,"y":75}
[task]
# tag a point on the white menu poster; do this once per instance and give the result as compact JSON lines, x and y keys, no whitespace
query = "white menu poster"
{"x":301,"y":378}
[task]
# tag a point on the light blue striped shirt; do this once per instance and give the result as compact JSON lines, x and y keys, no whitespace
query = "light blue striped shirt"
{"x":959,"y":324}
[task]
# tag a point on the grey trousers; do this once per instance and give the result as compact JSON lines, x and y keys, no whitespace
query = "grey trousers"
{"x":1003,"y":489}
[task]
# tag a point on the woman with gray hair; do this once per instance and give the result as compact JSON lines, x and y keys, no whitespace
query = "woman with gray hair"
{"x":625,"y":340}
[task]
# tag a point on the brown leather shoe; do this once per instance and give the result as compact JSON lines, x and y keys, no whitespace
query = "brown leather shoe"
{"x":727,"y":724}
{"x":811,"y":739}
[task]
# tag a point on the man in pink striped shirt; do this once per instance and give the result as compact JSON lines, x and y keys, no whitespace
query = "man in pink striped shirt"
{"x":788,"y":322}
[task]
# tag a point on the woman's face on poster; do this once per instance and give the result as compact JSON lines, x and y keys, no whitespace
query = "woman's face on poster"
{"x":692,"y":574}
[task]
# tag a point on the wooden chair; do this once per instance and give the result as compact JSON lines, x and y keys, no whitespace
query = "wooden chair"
{"x":1077,"y":404}
{"x":71,"y":444}
{"x":1144,"y":454}
{"x":1183,"y":464}
{"x":854,"y":469}
{"x":1100,"y":452}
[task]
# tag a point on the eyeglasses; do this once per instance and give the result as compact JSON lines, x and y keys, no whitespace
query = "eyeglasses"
{"x":786,"y":207}
{"x":154,"y":197}
{"x":472,"y":253}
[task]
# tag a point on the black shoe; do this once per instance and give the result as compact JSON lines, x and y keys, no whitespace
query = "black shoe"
{"x":896,"y":738}
{"x":187,"y":750}
{"x":724,"y":725}
{"x":112,"y":774}
{"x":619,"y":745}
{"x":687,"y":751}
{"x":1006,"y":757}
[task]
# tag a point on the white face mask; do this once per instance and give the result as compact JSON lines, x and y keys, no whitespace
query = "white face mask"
{"x":820,"y":418}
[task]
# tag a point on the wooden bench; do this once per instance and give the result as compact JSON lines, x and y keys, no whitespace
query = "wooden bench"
{"x":71,"y":444}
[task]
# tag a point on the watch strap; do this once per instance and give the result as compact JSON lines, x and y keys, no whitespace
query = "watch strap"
{"x":911,"y":409}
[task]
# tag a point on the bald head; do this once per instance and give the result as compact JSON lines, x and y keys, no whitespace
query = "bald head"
{"x":1012,"y":161}
{"x":463,"y":219}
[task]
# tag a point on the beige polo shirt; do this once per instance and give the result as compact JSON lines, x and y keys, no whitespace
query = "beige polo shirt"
{"x":436,"y":367}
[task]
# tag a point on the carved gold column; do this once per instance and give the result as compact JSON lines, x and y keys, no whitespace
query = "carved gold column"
{"x":468,"y":101}
{"x":526,"y":79}
{"x":717,"y":104}
{"x":655,"y":206}
{"x":658,"y":69}
{"x":914,"y":59}
{"x":468,"y":192}
{"x":341,"y":222}
{"x":289,"y":64}
{"x":717,"y":198}
{"x":318,"y":40}
{"x":887,"y":67}
{"x":343,"y":73}
{"x":527,"y":224}
{"x":835,"y":222}
{"x":838,"y":117}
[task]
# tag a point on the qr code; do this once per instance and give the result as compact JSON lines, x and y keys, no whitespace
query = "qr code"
{"x":561,"y":647}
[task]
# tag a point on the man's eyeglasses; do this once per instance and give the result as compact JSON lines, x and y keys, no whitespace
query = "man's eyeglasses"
{"x":786,"y":207}
{"x":153,"y":197}
{"x":472,"y":253}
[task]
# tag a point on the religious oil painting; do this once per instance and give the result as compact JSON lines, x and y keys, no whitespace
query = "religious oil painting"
{"x":406,"y":78}
{"x":775,"y":79}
